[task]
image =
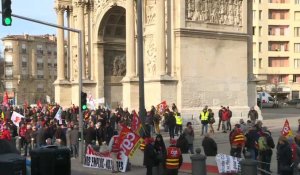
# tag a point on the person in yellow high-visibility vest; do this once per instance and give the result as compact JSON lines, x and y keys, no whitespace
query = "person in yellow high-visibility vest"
{"x":204,"y":120}
{"x":178,"y":126}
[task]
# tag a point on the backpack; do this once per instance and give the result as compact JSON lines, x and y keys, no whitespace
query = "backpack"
{"x":262,"y":143}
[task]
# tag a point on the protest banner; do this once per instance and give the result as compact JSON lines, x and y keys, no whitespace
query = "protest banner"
{"x":227,"y":163}
{"x":103,"y":160}
{"x":129,"y":141}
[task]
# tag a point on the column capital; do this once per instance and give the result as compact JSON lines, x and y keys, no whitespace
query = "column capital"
{"x":80,"y":3}
{"x":59,"y":9}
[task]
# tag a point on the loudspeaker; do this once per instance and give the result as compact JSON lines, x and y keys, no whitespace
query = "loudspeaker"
{"x":51,"y":160}
{"x":12,"y":164}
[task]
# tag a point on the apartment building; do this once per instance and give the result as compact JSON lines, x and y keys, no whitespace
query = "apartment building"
{"x":29,"y":68}
{"x":276,"y":47}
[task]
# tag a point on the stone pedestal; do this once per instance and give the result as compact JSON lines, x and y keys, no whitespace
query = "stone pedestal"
{"x":62,"y":93}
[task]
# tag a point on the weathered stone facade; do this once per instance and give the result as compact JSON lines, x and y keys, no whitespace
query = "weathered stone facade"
{"x":196,"y":53}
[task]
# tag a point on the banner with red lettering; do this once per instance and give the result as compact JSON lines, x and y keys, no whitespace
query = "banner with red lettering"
{"x":161,"y":107}
{"x":286,"y":130}
{"x":129,"y":141}
{"x":136,"y":123}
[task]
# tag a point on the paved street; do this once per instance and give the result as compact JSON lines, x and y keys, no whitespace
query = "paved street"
{"x":273,"y":119}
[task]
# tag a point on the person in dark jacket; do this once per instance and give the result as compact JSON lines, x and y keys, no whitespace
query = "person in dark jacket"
{"x":74,"y":140}
{"x":182,"y":144}
{"x":161,"y":151}
{"x":284,"y":156}
{"x":209,"y":145}
{"x":171,"y":122}
{"x":40,"y":137}
{"x":150,"y":156}
{"x":90,"y":134}
{"x":108,"y":132}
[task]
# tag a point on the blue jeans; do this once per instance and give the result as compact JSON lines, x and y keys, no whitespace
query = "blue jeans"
{"x":204,"y":127}
{"x":191,"y":148}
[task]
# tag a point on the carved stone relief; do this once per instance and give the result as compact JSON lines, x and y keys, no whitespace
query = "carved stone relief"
{"x":225,"y":12}
{"x":74,"y":64}
{"x":114,"y":63}
{"x":150,"y":14}
{"x":150,"y":55}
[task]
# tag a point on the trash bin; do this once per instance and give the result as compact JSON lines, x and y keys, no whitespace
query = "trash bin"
{"x":50,"y":160}
{"x":11,"y":164}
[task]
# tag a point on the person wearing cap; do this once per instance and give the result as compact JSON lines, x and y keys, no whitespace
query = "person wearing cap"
{"x":150,"y":155}
{"x":174,"y":158}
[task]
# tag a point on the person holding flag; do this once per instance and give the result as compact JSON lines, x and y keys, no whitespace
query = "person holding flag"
{"x":114,"y":149}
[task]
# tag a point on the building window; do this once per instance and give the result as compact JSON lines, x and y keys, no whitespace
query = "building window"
{"x":254,"y":62}
{"x":40,"y":65}
{"x":253,"y":30}
{"x":278,"y":62}
{"x":297,"y":31}
{"x":297,"y":1}
{"x":8,"y":71}
{"x":259,"y":46}
{"x":39,"y":49}
{"x":260,"y":63}
{"x":297,"y":47}
{"x":296,"y":78}
{"x":278,"y":46}
{"x":283,"y":78}
{"x":40,"y":74}
{"x":24,"y":64}
{"x":297,"y":63}
{"x":259,"y":31}
{"x":40,"y":88}
{"x":23,"y":48}
{"x":259,"y":14}
{"x":8,"y":85}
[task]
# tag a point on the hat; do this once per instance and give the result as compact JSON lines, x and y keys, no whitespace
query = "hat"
{"x":237,"y":125}
{"x":173,"y":141}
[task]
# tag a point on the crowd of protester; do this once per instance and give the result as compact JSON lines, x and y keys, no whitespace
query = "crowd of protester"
{"x":39,"y":127}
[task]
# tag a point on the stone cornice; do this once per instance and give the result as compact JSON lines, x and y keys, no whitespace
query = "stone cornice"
{"x":185,"y":32}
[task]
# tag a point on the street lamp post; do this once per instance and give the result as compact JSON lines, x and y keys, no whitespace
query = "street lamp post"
{"x":140,"y":46}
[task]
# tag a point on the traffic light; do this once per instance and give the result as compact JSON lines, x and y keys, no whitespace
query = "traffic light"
{"x":83,"y":101}
{"x":6,"y":12}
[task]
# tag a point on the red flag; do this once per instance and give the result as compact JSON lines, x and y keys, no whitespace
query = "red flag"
{"x":39,"y":104}
{"x":286,"y":130}
{"x":162,"y":106}
{"x":136,"y":123}
{"x":129,"y":141}
{"x":5,"y":100}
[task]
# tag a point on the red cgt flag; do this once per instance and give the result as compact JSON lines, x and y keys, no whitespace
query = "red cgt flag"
{"x":129,"y":141}
{"x":286,"y":130}
{"x":136,"y":123}
{"x":39,"y":104}
{"x":5,"y":100}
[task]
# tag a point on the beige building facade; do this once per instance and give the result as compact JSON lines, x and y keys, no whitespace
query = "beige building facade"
{"x":196,"y":53}
{"x":276,"y":47}
{"x":29,"y":68}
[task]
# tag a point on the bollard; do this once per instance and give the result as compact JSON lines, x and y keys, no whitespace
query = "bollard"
{"x":18,"y":144}
{"x":198,"y":163}
{"x":248,"y":165}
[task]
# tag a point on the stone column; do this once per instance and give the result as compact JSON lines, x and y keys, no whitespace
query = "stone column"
{"x":69,"y":45}
{"x":130,"y":39}
{"x":161,"y":37}
{"x":60,"y":44}
{"x":80,"y":5}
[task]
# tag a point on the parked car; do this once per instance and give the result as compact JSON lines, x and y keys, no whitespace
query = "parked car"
{"x":293,"y":101}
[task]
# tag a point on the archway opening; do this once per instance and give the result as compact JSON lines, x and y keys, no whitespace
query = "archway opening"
{"x":114,"y":47}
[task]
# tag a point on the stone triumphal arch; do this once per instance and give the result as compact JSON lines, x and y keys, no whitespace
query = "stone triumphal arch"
{"x":196,"y":53}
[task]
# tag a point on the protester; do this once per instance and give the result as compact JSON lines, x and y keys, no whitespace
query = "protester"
{"x":253,"y":115}
{"x":114,"y":149}
{"x":204,"y":120}
{"x":160,"y":149}
{"x":178,"y":127}
{"x":182,"y":144}
{"x":209,"y":146}
{"x":174,"y":159}
{"x":284,"y":156}
{"x":211,"y":121}
{"x":229,"y":117}
{"x":189,"y":136}
{"x":74,"y":134}
{"x":220,"y":117}
{"x":237,"y":141}
{"x":150,"y":156}
{"x":265,"y":146}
